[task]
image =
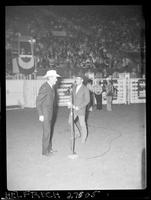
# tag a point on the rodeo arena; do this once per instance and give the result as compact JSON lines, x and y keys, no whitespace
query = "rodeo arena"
{"x":93,"y":44}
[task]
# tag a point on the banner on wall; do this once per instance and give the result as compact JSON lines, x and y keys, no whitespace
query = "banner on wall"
{"x":23,"y":65}
{"x":26,"y":64}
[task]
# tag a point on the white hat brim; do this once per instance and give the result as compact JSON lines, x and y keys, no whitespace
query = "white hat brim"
{"x":56,"y":75}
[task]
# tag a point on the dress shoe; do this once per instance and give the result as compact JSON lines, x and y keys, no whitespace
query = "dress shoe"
{"x":53,"y":151}
{"x":47,"y":154}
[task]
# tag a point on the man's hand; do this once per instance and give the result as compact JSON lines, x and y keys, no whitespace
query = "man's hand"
{"x":41,"y":118}
{"x":69,"y":104}
{"x":76,"y":108}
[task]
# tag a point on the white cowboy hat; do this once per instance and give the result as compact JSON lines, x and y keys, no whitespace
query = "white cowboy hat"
{"x":51,"y":73}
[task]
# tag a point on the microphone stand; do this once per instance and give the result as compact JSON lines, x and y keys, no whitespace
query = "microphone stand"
{"x":73,"y":155}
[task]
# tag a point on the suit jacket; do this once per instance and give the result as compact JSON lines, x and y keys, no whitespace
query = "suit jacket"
{"x":45,"y":98}
{"x":81,"y":99}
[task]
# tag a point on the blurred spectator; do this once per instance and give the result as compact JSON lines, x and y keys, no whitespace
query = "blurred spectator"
{"x":133,"y":74}
{"x":109,"y":94}
{"x":98,"y":95}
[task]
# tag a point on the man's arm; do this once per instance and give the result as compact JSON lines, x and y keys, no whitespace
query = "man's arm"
{"x":40,"y":98}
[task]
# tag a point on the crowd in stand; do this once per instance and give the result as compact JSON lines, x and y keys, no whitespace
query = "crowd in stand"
{"x":85,"y":42}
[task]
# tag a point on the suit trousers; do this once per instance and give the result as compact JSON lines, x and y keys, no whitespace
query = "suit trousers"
{"x":47,"y":132}
{"x":79,"y":120}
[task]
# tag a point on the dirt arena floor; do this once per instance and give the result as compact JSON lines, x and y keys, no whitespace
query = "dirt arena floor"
{"x":110,"y":159}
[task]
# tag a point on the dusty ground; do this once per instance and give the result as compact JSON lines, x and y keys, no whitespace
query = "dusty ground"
{"x":111,"y":158}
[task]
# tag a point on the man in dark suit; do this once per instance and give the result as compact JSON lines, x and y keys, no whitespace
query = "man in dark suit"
{"x":81,"y":98}
{"x":45,"y":106}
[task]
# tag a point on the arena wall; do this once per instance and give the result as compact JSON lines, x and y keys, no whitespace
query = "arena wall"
{"x":23,"y":93}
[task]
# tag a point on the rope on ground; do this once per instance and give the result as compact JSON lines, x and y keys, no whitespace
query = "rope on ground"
{"x":110,"y":143}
